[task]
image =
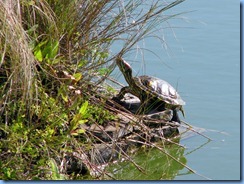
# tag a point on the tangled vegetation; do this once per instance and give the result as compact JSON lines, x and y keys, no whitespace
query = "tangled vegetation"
{"x":54,"y":60}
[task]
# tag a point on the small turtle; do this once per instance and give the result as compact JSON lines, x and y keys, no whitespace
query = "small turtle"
{"x":150,"y":90}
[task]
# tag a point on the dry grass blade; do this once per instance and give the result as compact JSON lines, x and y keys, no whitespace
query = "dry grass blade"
{"x":145,"y":24}
{"x":16,"y":43}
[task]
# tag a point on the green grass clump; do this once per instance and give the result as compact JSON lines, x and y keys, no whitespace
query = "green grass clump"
{"x":53,"y":56}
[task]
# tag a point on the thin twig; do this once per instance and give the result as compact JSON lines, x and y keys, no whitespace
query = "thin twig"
{"x":192,"y":129}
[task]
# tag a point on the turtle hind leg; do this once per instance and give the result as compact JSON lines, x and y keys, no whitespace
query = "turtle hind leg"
{"x":182,"y":111}
{"x":175,"y":116}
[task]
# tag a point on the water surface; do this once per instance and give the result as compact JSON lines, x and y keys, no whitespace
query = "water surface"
{"x":202,"y":61}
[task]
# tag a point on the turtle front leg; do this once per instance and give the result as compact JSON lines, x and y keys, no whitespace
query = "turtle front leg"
{"x":122,"y":93}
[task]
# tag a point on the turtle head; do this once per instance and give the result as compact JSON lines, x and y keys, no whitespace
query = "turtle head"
{"x":125,"y":68}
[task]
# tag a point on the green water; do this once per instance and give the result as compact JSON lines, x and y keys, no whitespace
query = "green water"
{"x":202,"y":61}
{"x":155,"y":164}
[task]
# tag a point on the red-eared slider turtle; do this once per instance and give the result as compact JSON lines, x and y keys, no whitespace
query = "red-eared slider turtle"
{"x":150,"y":90}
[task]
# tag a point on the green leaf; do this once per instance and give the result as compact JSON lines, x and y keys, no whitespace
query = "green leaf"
{"x":38,"y":54}
{"x":80,"y":122}
{"x":64,"y":97}
{"x":54,"y":170}
{"x":79,"y":119}
{"x":104,"y":55}
{"x":103,"y":71}
{"x":55,"y":47}
{"x":77,"y":76}
{"x":51,"y":49}
{"x":78,"y":131}
{"x":81,"y":63}
{"x":31,"y":3}
{"x":83,"y":108}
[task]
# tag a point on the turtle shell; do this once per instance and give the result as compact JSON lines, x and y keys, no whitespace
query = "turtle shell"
{"x":160,"y":89}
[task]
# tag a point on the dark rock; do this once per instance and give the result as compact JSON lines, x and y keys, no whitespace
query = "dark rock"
{"x":73,"y":164}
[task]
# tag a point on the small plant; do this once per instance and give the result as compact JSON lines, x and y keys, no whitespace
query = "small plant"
{"x":54,"y":55}
{"x":79,"y":119}
{"x":55,"y":175}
